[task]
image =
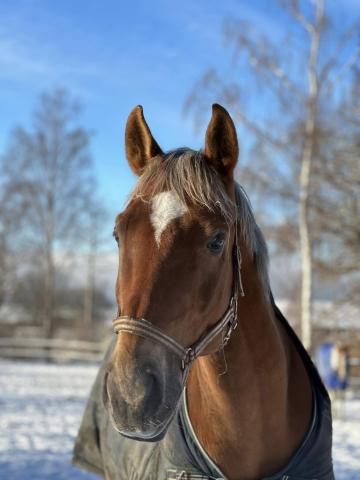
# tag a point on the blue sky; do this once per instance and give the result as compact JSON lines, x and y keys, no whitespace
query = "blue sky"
{"x":114,"y":55}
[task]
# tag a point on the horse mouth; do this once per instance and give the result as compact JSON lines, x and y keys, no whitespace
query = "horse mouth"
{"x":140,"y":427}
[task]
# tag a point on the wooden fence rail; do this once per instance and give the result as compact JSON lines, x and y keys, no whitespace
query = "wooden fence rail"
{"x":61,"y":350}
{"x":53,"y":349}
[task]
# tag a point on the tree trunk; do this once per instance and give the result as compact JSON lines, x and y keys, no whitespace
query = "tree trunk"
{"x":49,"y":284}
{"x":48,"y":312}
{"x":86,"y":327}
{"x":304,"y":181}
{"x":305,"y":254}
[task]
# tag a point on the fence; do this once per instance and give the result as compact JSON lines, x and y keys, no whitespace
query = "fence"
{"x":59,"y":350}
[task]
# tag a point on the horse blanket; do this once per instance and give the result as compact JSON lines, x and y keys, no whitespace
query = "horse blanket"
{"x":99,"y":448}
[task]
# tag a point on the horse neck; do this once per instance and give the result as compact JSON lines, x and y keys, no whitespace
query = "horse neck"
{"x":250,"y":404}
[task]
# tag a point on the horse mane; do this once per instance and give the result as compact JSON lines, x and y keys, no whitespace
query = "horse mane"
{"x":187,"y":173}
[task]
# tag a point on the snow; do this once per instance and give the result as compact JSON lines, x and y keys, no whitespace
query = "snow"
{"x":346,"y":441}
{"x":329,"y":314}
{"x":40,"y":411}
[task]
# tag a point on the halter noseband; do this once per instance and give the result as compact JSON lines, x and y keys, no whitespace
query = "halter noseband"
{"x":145,"y":329}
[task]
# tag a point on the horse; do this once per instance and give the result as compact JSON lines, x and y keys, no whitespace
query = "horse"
{"x":205,"y":378}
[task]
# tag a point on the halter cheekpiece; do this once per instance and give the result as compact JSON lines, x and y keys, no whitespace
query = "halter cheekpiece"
{"x":226,"y":324}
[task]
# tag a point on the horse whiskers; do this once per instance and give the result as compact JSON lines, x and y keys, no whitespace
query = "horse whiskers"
{"x":156,"y":424}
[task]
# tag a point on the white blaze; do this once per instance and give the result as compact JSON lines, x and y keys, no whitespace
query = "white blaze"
{"x":165,"y":207}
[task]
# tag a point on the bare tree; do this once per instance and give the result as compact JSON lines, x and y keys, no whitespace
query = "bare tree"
{"x":48,"y":187}
{"x":3,"y":267}
{"x":95,"y":239}
{"x":9,"y":224}
{"x":280,"y":92}
{"x":335,"y":203}
{"x":3,"y":253}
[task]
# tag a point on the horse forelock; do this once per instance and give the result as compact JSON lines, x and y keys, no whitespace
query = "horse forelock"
{"x":188,"y":174}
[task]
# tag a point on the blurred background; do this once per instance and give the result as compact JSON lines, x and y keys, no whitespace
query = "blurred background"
{"x":70,"y":72}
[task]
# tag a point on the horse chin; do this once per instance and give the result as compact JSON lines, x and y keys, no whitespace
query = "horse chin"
{"x":154,"y":435}
{"x":145,"y":434}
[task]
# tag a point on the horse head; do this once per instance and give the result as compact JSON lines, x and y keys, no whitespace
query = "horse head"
{"x":176,"y":241}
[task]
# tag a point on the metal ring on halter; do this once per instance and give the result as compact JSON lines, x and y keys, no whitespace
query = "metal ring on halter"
{"x":145,"y":329}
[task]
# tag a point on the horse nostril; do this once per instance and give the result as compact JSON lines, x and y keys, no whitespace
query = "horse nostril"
{"x":148,"y":375}
{"x":150,"y":380}
{"x":153,"y":397}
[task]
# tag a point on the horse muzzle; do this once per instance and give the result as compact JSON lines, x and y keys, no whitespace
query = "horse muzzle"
{"x":142,"y":392}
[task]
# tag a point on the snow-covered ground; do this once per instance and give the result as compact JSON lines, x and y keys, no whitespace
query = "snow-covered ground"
{"x":41,"y":407}
{"x":40,"y":410}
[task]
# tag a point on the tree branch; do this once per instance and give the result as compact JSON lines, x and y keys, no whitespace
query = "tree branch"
{"x":333,"y":60}
{"x":259,"y":58}
{"x":260,"y":133}
{"x":293,"y":7}
{"x":351,"y":62}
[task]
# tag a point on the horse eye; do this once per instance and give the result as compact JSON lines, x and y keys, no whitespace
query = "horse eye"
{"x":216,"y":244}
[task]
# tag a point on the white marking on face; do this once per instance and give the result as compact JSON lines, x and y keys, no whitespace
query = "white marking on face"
{"x":165,"y":207}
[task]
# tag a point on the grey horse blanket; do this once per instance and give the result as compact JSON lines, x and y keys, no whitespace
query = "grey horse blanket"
{"x":99,"y":448}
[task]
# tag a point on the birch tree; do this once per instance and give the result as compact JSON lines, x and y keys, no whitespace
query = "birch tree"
{"x":335,"y":202}
{"x":280,"y":92}
{"x":98,"y":217}
{"x":48,"y":188}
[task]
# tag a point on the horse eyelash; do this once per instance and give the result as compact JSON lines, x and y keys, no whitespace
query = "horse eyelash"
{"x":115,"y":235}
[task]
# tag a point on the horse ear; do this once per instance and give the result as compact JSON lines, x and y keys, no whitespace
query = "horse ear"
{"x":139,"y":143}
{"x":221,"y":144}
